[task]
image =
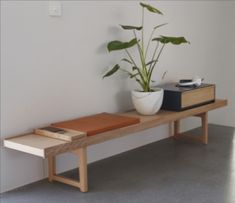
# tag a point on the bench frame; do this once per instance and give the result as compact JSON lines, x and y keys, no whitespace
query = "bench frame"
{"x":81,"y":153}
{"x":203,"y":138}
{"x":49,"y":148}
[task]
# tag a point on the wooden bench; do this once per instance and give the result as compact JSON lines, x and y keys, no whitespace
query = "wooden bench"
{"x":46,"y":147}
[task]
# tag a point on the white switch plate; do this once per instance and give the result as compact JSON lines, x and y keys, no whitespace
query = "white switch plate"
{"x":55,"y":8}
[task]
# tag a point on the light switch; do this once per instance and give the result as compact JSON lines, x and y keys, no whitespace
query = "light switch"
{"x":55,"y":8}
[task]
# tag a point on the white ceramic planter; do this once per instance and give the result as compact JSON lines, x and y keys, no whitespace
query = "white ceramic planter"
{"x":147,"y":103}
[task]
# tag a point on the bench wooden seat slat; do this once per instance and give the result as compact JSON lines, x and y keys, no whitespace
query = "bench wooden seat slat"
{"x":45,"y":146}
{"x":147,"y":122}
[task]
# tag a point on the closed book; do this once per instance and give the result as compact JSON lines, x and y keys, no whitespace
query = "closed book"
{"x":178,"y":98}
{"x":60,"y":133}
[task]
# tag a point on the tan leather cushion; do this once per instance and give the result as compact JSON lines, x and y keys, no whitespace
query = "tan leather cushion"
{"x":98,"y":123}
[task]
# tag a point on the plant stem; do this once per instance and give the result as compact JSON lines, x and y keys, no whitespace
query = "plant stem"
{"x":154,"y":53}
{"x":164,"y":74}
{"x":130,"y":57}
{"x":129,"y":73}
{"x":134,"y":76}
{"x":143,"y":29}
{"x":142,"y":78}
{"x":145,"y":72}
{"x":159,"y":54}
{"x":139,"y":48}
{"x":150,"y":38}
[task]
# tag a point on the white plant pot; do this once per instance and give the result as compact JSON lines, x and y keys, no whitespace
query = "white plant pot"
{"x":147,"y":103}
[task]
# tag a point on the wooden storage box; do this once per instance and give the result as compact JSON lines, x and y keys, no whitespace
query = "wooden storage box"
{"x":181,"y":98}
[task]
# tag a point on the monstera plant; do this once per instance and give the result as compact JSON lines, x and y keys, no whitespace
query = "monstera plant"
{"x":142,"y":73}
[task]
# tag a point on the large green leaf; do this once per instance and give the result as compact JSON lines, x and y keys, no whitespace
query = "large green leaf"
{"x":130,"y":27}
{"x":118,"y":45}
{"x":151,"y":8}
{"x":172,"y":40}
{"x":112,"y":71}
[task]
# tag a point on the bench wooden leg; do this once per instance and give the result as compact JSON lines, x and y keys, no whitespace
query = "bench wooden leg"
{"x":177,"y":128}
{"x":82,"y":169}
{"x":51,"y":168}
{"x":202,"y":138}
{"x":82,"y":183}
{"x":204,"y":118}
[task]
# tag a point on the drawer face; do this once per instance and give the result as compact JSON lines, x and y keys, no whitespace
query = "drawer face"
{"x":197,"y":96}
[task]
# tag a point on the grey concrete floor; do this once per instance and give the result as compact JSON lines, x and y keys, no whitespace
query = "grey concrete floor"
{"x":167,"y":171}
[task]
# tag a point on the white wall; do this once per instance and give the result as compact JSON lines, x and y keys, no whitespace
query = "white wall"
{"x":51,"y":69}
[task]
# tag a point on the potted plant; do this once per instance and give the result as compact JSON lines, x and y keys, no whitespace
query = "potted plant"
{"x":147,"y":100}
